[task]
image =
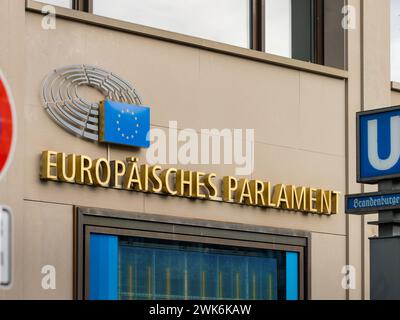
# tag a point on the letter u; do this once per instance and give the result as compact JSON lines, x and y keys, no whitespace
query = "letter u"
{"x":373,"y":156}
{"x":66,"y":167}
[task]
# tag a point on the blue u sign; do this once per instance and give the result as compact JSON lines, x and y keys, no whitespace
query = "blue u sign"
{"x":378,"y":145}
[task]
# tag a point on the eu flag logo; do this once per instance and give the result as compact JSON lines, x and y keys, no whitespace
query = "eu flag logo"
{"x":124,"y":124}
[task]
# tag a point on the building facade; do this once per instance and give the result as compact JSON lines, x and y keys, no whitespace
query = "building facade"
{"x":298,"y":81}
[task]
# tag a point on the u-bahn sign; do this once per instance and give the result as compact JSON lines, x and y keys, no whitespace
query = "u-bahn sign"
{"x":7,"y":126}
{"x":378,"y":144}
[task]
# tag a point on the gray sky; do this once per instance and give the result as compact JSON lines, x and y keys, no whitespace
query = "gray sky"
{"x":395,"y":22}
{"x":220,"y":20}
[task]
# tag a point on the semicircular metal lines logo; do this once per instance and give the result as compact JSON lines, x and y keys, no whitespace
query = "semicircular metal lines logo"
{"x":61,"y":99}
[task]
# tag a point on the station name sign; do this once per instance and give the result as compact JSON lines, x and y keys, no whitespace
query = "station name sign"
{"x":372,"y":202}
{"x":132,"y":176}
{"x":378,"y":160}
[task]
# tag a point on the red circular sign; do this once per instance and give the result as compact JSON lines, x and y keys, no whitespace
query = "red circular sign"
{"x":7,"y":126}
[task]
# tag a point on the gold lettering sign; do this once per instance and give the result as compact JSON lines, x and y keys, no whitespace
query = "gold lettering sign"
{"x":129,"y":175}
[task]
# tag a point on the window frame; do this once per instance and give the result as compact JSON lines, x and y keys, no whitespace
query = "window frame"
{"x":83,"y":5}
{"x":119,"y":223}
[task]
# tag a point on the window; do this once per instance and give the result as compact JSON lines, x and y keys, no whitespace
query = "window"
{"x":395,"y":40}
{"x":147,"y":269}
{"x":307,"y":30}
{"x":225,"y":21}
{"x":60,"y":3}
{"x":131,"y":256}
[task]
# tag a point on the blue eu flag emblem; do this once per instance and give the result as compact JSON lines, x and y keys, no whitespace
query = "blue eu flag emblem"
{"x":124,"y":124}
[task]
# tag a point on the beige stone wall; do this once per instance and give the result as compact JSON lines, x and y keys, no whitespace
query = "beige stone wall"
{"x":300,"y":131}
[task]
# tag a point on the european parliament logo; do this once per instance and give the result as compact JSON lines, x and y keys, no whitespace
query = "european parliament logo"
{"x":119,"y":119}
{"x":124,"y":124}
